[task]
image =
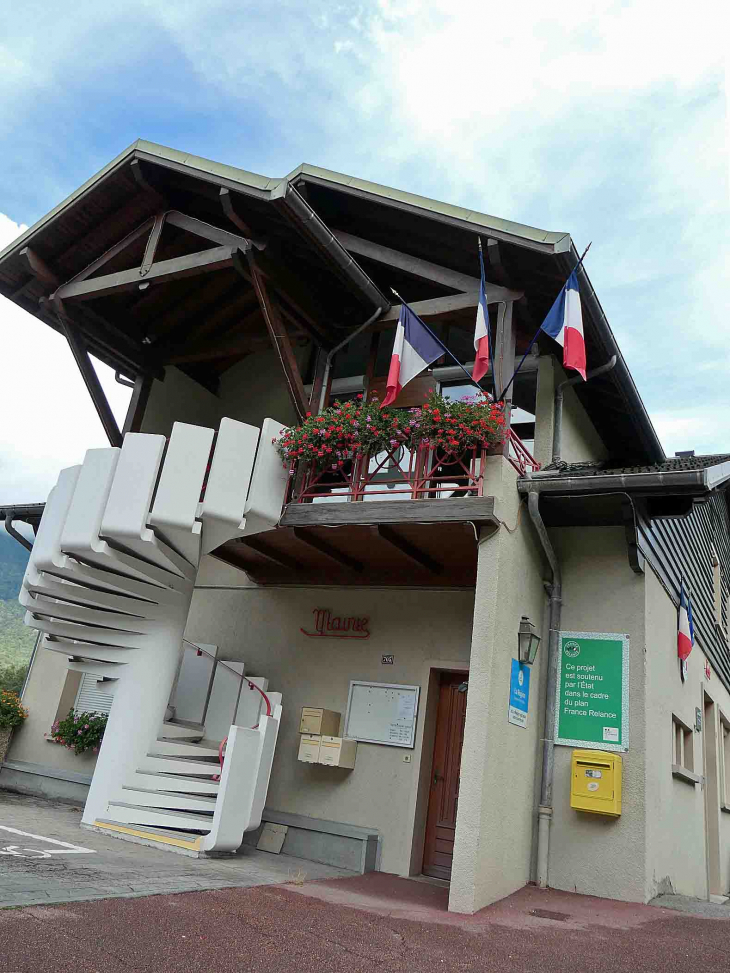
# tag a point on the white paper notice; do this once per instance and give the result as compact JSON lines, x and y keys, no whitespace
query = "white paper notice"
{"x":406,"y":707}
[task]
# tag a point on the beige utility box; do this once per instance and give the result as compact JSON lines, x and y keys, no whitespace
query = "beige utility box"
{"x":336,"y":752}
{"x":324,"y":722}
{"x":309,"y":746}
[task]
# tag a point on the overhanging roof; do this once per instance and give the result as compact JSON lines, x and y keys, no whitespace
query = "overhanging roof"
{"x":301,"y":215}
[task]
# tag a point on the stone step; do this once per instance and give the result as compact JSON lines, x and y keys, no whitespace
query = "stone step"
{"x":159,"y":817}
{"x":142,"y":797}
{"x":181,"y":783}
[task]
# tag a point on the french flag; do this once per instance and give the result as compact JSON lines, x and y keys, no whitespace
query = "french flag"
{"x":414,"y":349}
{"x":481,"y":334}
{"x":564,"y":323}
{"x":685,"y":626}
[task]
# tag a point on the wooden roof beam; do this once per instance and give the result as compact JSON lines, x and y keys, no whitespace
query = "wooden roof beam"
{"x":412,"y":552}
{"x":190,"y":265}
{"x":277,"y":332}
{"x":343,"y":560}
{"x":433,"y":308}
{"x":423,"y":269}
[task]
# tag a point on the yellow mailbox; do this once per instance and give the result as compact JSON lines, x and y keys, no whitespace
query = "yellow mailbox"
{"x":595,"y":783}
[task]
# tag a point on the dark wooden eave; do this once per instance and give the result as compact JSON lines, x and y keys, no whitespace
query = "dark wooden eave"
{"x":418,"y":543}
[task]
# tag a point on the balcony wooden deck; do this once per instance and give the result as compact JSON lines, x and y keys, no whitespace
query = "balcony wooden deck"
{"x":391,"y":543}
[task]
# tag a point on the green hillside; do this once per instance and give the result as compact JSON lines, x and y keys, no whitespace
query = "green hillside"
{"x":16,"y":640}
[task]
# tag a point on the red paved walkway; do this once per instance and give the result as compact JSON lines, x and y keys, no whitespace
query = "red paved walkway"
{"x":307,"y":928}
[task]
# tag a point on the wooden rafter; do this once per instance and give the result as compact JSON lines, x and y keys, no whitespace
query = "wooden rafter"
{"x":189,"y":265}
{"x":434,"y":307}
{"x":277,"y":332}
{"x":423,"y":269}
{"x":344,"y":560}
{"x":412,"y":552}
{"x":266,"y":551}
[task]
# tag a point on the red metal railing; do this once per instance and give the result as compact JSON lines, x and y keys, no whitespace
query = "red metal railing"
{"x":421,"y":473}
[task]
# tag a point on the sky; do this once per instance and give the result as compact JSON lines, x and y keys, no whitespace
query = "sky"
{"x":604,"y":119}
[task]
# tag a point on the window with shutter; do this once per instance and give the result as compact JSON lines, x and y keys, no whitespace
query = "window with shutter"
{"x":91,"y":697}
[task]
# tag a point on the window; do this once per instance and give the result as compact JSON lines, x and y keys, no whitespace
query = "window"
{"x":725,"y":762}
{"x":683,"y":761}
{"x":95,"y":694}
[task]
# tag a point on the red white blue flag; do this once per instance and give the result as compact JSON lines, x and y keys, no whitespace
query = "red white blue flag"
{"x":414,"y":349}
{"x":564,"y":323}
{"x":481,"y":331}
{"x":685,"y":626}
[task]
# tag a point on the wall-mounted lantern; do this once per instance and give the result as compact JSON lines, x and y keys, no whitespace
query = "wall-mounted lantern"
{"x":527,"y":642}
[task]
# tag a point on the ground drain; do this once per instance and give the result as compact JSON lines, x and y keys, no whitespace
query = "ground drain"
{"x":548,"y":914}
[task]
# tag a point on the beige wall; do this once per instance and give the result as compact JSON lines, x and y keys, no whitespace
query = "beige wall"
{"x":424,"y":629}
{"x":580,"y":441}
{"x":255,"y":390}
{"x":676,"y":825}
{"x":51,"y":691}
{"x":498,"y":793}
{"x":593,"y":854}
{"x":179,"y":399}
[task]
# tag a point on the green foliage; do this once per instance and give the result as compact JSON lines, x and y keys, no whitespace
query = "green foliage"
{"x":12,"y":677}
{"x":16,"y":639}
{"x":12,"y":713}
{"x":80,"y":731}
{"x":13,"y":561}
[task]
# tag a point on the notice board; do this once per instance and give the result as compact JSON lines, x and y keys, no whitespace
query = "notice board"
{"x":592,"y":693}
{"x":379,"y":712}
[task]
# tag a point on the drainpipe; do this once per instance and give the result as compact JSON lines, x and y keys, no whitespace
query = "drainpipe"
{"x":16,"y":535}
{"x":331,"y":355}
{"x":554,"y":590}
{"x":558,"y":410}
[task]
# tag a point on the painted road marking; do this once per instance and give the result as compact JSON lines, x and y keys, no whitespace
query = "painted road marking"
{"x":64,"y":847}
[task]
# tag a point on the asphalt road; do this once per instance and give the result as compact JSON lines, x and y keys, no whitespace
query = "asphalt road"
{"x":277,"y":928}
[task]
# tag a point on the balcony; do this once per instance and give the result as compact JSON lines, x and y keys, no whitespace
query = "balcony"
{"x":399,"y":517}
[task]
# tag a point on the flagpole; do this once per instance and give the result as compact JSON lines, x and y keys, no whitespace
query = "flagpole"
{"x":489,"y":330}
{"x":529,"y":347}
{"x":436,"y":338}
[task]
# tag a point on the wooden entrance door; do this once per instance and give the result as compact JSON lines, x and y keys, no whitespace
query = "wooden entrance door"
{"x":444,"y":797}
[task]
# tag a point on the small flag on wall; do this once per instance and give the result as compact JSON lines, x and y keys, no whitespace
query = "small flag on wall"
{"x":481,"y":331}
{"x":685,"y":627}
{"x":564,"y":323}
{"x":414,"y":349}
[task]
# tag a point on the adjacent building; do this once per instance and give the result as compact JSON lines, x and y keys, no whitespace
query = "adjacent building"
{"x":385,"y":608}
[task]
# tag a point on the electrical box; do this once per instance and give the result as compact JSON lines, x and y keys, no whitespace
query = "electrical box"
{"x":323,"y":722}
{"x":595,"y":783}
{"x":309,"y":748}
{"x":336,"y":752}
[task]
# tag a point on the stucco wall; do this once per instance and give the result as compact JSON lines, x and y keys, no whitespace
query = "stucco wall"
{"x":424,"y":629}
{"x":593,"y":854}
{"x":498,"y":794}
{"x":179,"y":399}
{"x":51,"y":690}
{"x":580,"y":441}
{"x":255,"y":389}
{"x":677,"y":826}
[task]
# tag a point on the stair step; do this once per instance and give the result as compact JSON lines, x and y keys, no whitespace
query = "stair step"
{"x":143,"y":797}
{"x":187,"y":841}
{"x":175,"y":748}
{"x":173,"y":731}
{"x":191,"y":724}
{"x":186,"y":784}
{"x":160,"y":763}
{"x":185,"y":820}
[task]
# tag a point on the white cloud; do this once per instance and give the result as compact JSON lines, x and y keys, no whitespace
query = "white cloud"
{"x":48,"y":418}
{"x":606,"y":119}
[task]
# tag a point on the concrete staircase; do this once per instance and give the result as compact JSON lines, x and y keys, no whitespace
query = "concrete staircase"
{"x":109,"y":584}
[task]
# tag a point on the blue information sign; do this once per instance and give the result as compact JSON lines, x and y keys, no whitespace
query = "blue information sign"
{"x":519,"y":694}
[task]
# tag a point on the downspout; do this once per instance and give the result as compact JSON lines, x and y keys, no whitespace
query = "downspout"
{"x":333,"y":352}
{"x":554,"y":590}
{"x":558,"y":410}
{"x":16,"y":535}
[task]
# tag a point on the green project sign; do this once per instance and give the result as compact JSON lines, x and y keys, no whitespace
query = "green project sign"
{"x":592,"y":693}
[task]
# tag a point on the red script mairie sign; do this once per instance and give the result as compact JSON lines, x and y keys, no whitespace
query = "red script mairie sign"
{"x":329,"y":626}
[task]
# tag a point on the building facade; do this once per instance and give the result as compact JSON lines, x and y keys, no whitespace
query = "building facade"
{"x":372,"y":590}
